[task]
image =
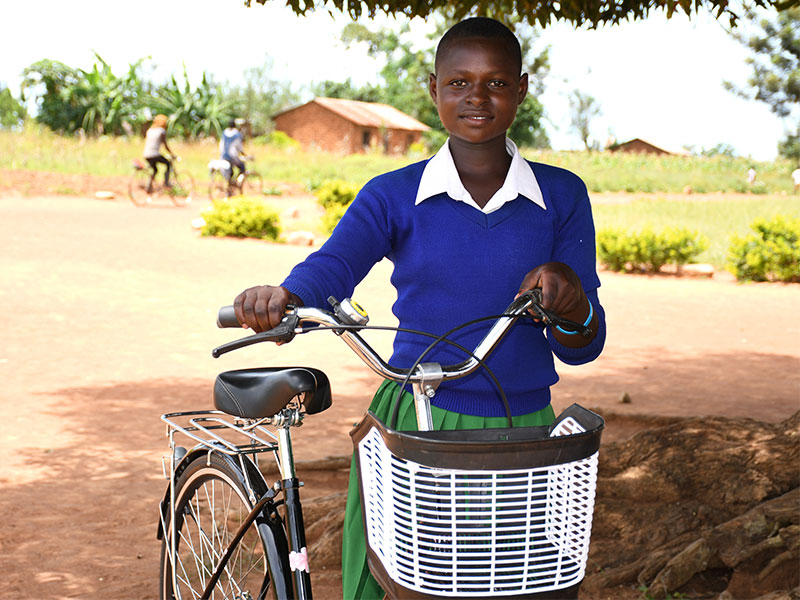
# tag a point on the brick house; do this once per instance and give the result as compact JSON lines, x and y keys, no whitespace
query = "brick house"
{"x":638,"y":146}
{"x":350,"y":126}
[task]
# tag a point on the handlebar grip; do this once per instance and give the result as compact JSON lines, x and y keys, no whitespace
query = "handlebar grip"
{"x":227,"y":318}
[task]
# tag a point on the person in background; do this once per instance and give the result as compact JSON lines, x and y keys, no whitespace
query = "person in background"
{"x":231,"y":148}
{"x":155,"y":136}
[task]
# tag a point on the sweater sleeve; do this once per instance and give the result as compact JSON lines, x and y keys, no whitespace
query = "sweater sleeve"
{"x":575,"y":245}
{"x":360,"y":240}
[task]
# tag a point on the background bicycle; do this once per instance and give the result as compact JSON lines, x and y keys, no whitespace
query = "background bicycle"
{"x":221,"y":185}
{"x":142,"y":192}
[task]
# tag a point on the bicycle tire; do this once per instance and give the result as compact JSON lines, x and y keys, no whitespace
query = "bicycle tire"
{"x":182,"y":189}
{"x":137,"y":187}
{"x":217,"y":186}
{"x":253,"y":185}
{"x":210,"y":503}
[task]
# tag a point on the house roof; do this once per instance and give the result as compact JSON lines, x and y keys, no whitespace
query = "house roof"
{"x":651,"y":144}
{"x":368,"y":114}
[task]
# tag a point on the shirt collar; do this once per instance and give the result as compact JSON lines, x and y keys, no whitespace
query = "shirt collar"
{"x":440,"y":176}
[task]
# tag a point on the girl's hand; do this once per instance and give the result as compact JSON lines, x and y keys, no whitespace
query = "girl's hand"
{"x":261,"y":308}
{"x":563,"y":294}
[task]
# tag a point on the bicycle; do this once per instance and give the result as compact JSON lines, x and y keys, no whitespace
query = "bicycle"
{"x":144,"y":187}
{"x":222,"y":185}
{"x":225,"y":531}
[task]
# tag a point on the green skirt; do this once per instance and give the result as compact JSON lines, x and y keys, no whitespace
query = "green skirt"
{"x":357,"y":582}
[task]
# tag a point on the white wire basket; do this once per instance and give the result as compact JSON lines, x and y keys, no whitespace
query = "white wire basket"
{"x":463,"y":514}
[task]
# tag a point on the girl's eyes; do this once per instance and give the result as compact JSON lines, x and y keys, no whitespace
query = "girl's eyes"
{"x":494,"y":83}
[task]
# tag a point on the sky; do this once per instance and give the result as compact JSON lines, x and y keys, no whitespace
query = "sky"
{"x":658,"y":79}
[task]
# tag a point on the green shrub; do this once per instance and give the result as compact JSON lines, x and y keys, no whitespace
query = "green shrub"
{"x":648,"y":250}
{"x":771,"y":254}
{"x":241,"y":217}
{"x":332,"y":216}
{"x":335,"y":192}
{"x":279,"y":139}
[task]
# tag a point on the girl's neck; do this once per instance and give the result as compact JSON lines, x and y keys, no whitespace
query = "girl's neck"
{"x":482,"y":167}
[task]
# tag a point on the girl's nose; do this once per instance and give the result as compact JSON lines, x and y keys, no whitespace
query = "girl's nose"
{"x":477,"y":96}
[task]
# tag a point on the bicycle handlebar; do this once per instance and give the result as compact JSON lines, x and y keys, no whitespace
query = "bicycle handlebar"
{"x":296,"y":317}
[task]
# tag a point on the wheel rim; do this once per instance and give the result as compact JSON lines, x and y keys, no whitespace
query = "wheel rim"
{"x":137,"y":189}
{"x":181,"y":192}
{"x":208,"y":515}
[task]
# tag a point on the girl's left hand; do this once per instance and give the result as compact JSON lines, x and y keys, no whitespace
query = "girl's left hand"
{"x":562,"y":291}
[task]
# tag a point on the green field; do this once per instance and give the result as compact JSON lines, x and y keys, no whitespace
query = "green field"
{"x":39,"y":149}
{"x":716,"y":218}
{"x":652,"y":187}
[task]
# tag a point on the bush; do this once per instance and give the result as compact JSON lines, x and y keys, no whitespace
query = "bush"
{"x":648,"y":250}
{"x":335,"y":192}
{"x":332,"y":217}
{"x":241,"y":217}
{"x":771,"y":254}
{"x":279,"y":139}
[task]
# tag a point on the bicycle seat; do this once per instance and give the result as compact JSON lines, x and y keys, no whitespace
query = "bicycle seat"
{"x":265,"y":391}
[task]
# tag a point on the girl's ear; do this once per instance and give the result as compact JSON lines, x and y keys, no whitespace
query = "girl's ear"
{"x":523,"y":88}
{"x":432,"y":87}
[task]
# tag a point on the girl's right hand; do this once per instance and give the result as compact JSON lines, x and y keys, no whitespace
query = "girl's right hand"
{"x":261,"y":308}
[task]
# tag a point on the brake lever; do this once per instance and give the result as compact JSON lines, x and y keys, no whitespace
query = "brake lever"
{"x":552,"y":319}
{"x":283,"y":332}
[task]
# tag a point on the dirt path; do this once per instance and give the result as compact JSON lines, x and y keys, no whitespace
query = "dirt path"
{"x":109,"y":319}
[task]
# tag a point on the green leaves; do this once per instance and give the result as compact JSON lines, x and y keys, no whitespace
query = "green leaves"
{"x":775,"y":75}
{"x":534,"y":12}
{"x":772,"y":253}
{"x":648,"y":250}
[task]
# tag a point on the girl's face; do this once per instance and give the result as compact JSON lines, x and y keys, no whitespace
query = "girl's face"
{"x":477,"y":89}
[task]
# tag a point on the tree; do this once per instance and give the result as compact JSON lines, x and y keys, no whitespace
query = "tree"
{"x":583,"y":108}
{"x":12,"y":111}
{"x":193,"y":112}
{"x":579,"y":12}
{"x":259,"y":98}
{"x":97,"y":100}
{"x":775,"y":78}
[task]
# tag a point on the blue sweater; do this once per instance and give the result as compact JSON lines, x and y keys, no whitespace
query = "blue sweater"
{"x":453,"y":263}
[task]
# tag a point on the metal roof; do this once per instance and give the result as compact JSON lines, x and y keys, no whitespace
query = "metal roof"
{"x":368,"y":114}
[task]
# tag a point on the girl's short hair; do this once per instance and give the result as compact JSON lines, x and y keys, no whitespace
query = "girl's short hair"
{"x":480,"y":27}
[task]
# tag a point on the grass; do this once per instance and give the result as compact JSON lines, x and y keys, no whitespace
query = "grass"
{"x":37,"y":148}
{"x":715,"y":218}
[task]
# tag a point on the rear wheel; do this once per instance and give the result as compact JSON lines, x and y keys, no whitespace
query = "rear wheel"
{"x":211,"y":502}
{"x":217,"y":186}
{"x":182,"y":189}
{"x":137,"y":187}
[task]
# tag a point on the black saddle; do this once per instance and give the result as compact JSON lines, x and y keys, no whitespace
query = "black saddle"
{"x":264,"y":392}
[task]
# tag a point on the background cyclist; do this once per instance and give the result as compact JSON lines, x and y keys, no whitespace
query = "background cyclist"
{"x":231,"y":148}
{"x":155,"y":136}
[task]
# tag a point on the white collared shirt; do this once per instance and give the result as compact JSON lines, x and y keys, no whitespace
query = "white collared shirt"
{"x":440,"y":176}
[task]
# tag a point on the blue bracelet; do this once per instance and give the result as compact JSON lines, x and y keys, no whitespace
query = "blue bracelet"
{"x":585,"y":323}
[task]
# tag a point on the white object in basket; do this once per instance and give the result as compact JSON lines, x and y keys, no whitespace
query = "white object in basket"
{"x":463,"y":533}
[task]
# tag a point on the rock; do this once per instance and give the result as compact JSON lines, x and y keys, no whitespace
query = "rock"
{"x":300,"y":238}
{"x":696,"y":270}
{"x":688,"y":190}
{"x":625,"y":398}
{"x":104,"y":195}
{"x":198,"y":223}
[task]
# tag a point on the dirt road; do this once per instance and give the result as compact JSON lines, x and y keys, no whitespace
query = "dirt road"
{"x":109,"y":320}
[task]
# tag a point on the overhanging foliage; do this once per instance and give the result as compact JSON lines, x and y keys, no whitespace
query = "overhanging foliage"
{"x":590,"y":13}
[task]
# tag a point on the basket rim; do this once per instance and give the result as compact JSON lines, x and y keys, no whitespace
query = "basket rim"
{"x":502,"y":449}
